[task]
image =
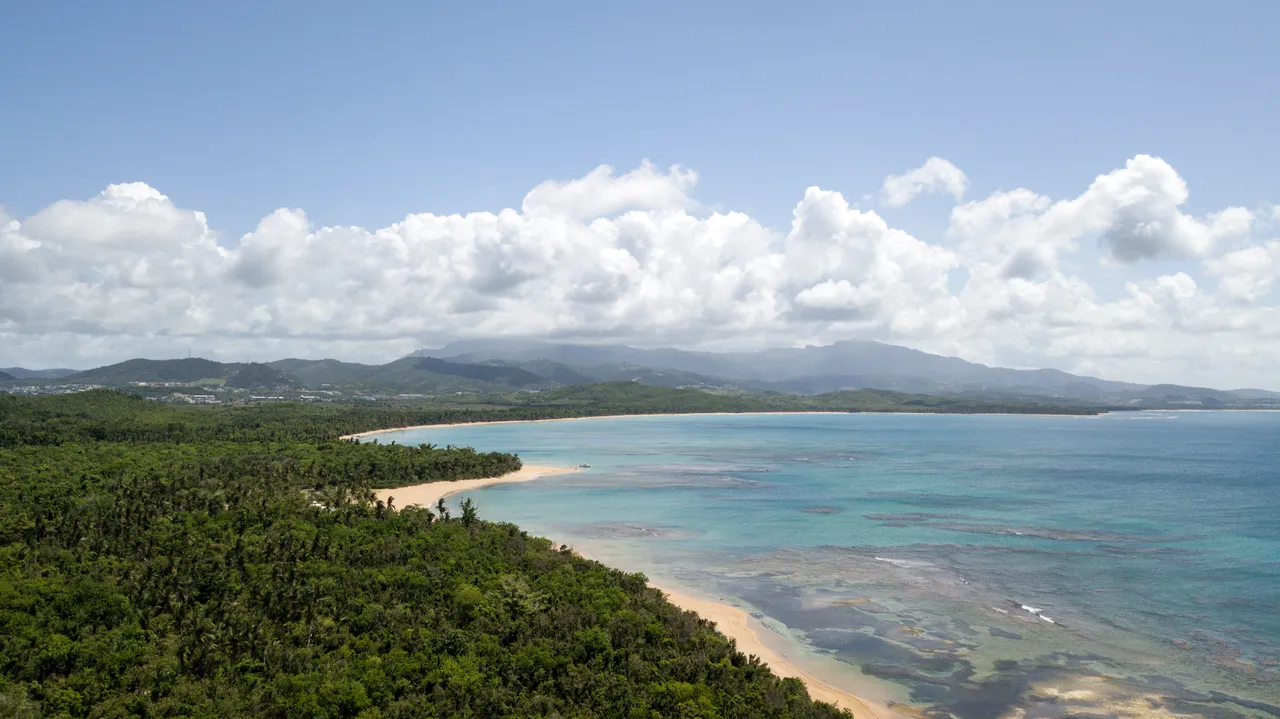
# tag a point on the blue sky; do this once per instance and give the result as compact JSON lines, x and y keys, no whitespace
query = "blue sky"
{"x":236,"y":178}
{"x":364,"y":115}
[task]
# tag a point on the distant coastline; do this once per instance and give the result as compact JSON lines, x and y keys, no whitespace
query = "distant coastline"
{"x":372,"y":432}
{"x":360,"y":435}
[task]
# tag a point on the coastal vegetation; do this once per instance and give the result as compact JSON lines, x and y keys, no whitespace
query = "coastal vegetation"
{"x":631,"y":397}
{"x":110,"y":416}
{"x":161,"y":561}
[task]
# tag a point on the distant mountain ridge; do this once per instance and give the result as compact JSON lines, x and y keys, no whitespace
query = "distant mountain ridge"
{"x":847,"y":365}
{"x":412,"y":374}
{"x":23,"y":373}
{"x":494,"y":367}
{"x":190,"y":369}
{"x":406,"y":375}
{"x":842,"y":359}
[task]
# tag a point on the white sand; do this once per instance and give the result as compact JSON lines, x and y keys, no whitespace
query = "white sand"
{"x":428,"y":494}
{"x":747,"y":632}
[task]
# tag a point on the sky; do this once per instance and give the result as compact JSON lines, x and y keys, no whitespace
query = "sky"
{"x":1087,"y":186}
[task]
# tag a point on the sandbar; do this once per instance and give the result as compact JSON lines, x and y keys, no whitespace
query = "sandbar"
{"x":428,"y":494}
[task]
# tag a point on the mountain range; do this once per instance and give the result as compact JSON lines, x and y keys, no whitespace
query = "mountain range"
{"x":492,"y":366}
{"x":847,"y":365}
{"x":21,"y":373}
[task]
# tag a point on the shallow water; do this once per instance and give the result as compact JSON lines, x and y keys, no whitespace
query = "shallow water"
{"x":932,"y":551}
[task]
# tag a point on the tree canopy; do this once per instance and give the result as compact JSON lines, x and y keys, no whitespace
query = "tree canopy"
{"x":185,"y":562}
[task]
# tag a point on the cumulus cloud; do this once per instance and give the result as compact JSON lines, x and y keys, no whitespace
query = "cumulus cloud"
{"x":122,"y":261}
{"x":633,"y":257}
{"x":1138,"y":209}
{"x":1133,"y":211}
{"x":1247,"y":275}
{"x":602,"y":193}
{"x":935,"y":175}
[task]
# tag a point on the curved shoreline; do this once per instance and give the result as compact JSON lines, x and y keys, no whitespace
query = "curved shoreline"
{"x":747,"y":632}
{"x":372,"y":432}
{"x":428,"y":494}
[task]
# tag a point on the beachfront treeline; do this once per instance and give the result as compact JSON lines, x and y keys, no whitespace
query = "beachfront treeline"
{"x":111,"y":416}
{"x":166,"y":562}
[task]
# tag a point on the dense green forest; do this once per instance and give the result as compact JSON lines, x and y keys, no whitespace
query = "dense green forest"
{"x":158,"y":561}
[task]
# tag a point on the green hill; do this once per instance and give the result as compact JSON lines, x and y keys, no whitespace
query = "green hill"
{"x":639,"y":398}
{"x":50,"y":373}
{"x":409,"y":375}
{"x":5,"y":376}
{"x":255,"y":374}
{"x":497,"y":374}
{"x":619,"y":372}
{"x":416,"y":375}
{"x":556,"y":372}
{"x":189,"y":369}
{"x":317,"y":373}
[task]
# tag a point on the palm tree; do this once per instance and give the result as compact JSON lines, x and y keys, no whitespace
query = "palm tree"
{"x":469,"y":514}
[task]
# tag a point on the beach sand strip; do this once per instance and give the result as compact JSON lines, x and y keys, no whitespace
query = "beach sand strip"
{"x":428,"y":494}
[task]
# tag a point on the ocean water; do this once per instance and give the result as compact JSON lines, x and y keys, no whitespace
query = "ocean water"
{"x":971,"y":566}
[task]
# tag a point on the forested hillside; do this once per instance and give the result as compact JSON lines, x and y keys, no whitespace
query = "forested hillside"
{"x":196,"y":562}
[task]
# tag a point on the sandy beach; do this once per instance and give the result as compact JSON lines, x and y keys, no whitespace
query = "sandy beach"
{"x":748,"y":632}
{"x":731,"y":621}
{"x":428,"y":494}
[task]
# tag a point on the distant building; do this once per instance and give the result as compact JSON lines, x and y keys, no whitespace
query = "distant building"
{"x":195,"y":398}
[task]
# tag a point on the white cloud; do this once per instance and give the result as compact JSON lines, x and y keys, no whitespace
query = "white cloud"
{"x":1133,"y":211}
{"x":601,"y":193}
{"x":122,"y":262}
{"x":632,"y":257}
{"x":1138,"y":209}
{"x":1247,"y":275}
{"x":935,"y":175}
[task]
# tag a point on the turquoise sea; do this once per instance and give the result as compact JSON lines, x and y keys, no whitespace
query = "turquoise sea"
{"x":973,"y":566}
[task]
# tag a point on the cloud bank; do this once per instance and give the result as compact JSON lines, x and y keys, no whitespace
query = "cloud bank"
{"x":1164,"y":295}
